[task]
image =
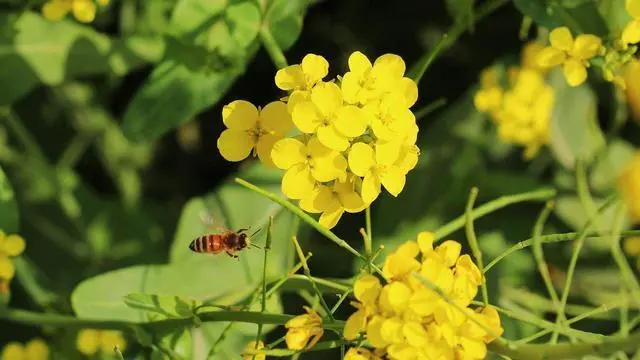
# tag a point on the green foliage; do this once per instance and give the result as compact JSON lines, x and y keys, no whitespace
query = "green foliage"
{"x":8,"y":205}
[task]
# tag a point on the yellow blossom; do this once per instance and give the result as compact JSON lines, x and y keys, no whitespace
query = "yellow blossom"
{"x":83,"y":10}
{"x":325,"y":114}
{"x":35,"y":349}
{"x":632,"y":245}
{"x":333,"y":201}
{"x":631,"y":32}
{"x":299,"y":79}
{"x":632,"y":79}
{"x":628,"y":187}
{"x":363,"y":354}
{"x":10,"y":246}
{"x":389,"y":117}
{"x":529,"y":55}
{"x":304,"y":331}
{"x":251,"y":346}
{"x":306,"y":163}
{"x":252,"y":130}
{"x":92,"y":341}
{"x":571,"y":53}
{"x":376,"y":170}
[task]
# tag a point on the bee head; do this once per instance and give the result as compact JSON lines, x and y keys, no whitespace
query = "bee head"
{"x":242,"y":241}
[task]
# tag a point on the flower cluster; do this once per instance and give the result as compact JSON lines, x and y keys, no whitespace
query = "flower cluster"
{"x":522,"y":111}
{"x":83,"y":10}
{"x":353,"y":135}
{"x":304,"y":331}
{"x":93,"y":341}
{"x":631,"y":32}
{"x":628,"y":181}
{"x":422,"y":312}
{"x":251,"y":346}
{"x":35,"y":349}
{"x":10,"y":246}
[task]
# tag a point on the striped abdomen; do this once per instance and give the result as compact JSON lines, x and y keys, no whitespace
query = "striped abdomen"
{"x":209,"y":243}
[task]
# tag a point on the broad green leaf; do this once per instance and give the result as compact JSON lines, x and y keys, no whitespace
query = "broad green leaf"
{"x":284,"y":20}
{"x":38,"y":51}
{"x":569,"y":209}
{"x":574,"y":125}
{"x":175,"y":91}
{"x":166,"y":306}
{"x":8,"y":206}
{"x":608,"y":166}
{"x":579,"y":16}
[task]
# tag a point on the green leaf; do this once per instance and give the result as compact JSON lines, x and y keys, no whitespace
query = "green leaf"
{"x":569,"y":209}
{"x":608,"y":166}
{"x":8,"y":206}
{"x":284,"y":19}
{"x":175,"y":91}
{"x":44,"y":52}
{"x":574,"y":125}
{"x":167,"y":306}
{"x":537,"y":10}
{"x":578,"y":15}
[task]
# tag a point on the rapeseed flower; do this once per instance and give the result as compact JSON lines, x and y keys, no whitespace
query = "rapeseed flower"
{"x":253,"y":130}
{"x":92,"y":341}
{"x":83,"y":10}
{"x":35,"y":349}
{"x":631,"y":32}
{"x":332,"y":201}
{"x":304,"y":331}
{"x":629,"y":190}
{"x":251,"y":346}
{"x":572,"y":54}
{"x":406,"y":319}
{"x":364,"y":354}
{"x":10,"y":246}
{"x":377,"y":169}
{"x":632,"y":79}
{"x":299,"y":79}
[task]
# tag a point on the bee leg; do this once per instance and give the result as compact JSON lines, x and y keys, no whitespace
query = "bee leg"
{"x":233,"y":255}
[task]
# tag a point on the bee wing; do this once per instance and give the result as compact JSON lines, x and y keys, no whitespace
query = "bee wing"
{"x":211,"y":221}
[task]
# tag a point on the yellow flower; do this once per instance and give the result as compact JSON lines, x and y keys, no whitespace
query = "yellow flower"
{"x":333,"y":201}
{"x":83,"y":10}
{"x":632,"y":245}
{"x":91,"y":341}
{"x":390,"y":118}
{"x":631,"y":32}
{"x":632,"y":79}
{"x":366,"y":290}
{"x":628,"y":182}
{"x":299,"y":79}
{"x":363,"y":354}
{"x":35,"y":349}
{"x":365,"y":82}
{"x":572,"y":54}
{"x":304,"y":331}
{"x":10,"y":246}
{"x":253,"y":130}
{"x":306,"y":163}
{"x":376,"y":170}
{"x":251,"y":346}
{"x":325,"y":114}
{"x":529,"y":54}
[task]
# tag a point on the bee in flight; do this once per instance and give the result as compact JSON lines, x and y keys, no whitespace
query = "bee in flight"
{"x":227,"y":241}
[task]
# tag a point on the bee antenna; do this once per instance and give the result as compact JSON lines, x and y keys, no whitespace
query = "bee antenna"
{"x":255,"y":232}
{"x":255,"y":246}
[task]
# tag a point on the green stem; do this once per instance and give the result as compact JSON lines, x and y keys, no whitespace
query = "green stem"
{"x":550,"y":239}
{"x":429,"y":108}
{"x":75,"y":150}
{"x":274,"y":51}
{"x":538,"y":255}
{"x":267,"y":247}
{"x":25,"y":137}
{"x":628,"y":277}
{"x":499,"y":203}
{"x":307,"y":272}
{"x":473,"y":241}
{"x":368,"y":240}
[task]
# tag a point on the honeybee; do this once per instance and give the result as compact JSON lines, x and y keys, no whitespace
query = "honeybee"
{"x":226,"y":240}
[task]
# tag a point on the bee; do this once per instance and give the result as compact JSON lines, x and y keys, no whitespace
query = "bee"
{"x":230,"y":242}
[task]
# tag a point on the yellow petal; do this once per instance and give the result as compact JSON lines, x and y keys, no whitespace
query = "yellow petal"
{"x":359,"y":63}
{"x":631,"y":32}
{"x":297,"y":182}
{"x":633,"y":8}
{"x":265,"y":146}
{"x":586,"y":46}
{"x":390,"y":65}
{"x":331,"y":138}
{"x":409,"y":90}
{"x":328,"y":168}
{"x":561,"y":38}
{"x":84,"y":10}
{"x":290,"y":77}
{"x":391,"y":330}
{"x":350,"y":88}
{"x":235,"y":145}
{"x":315,"y":68}
{"x":408,"y":158}
{"x":13,"y":351}
{"x":358,"y":354}
{"x":7,"y":270}
{"x":415,"y":333}
{"x":325,"y":199}
{"x":370,"y":187}
{"x":55,"y":10}
{"x":351,"y":201}
{"x":327,"y":97}
{"x":574,"y":72}
{"x":110,"y":339}
{"x":13,"y":245}
{"x":351,"y":121}
{"x":252,"y":346}
{"x":296,"y":97}
{"x":425,"y":241}
{"x":307,"y":117}
{"x":297,"y":338}
{"x":316,"y":149}
{"x":367,"y":288}
{"x":37,"y":349}
{"x":240,"y":115}
{"x":374,"y":334}
{"x":361,"y":158}
{"x":275,"y":117}
{"x":549,"y":57}
{"x":393,"y":180}
{"x":88,"y":341}
{"x":387,"y":152}
{"x":355,"y":324}
{"x":288,"y":152}
{"x":329,"y":219}
{"x":450,"y":251}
